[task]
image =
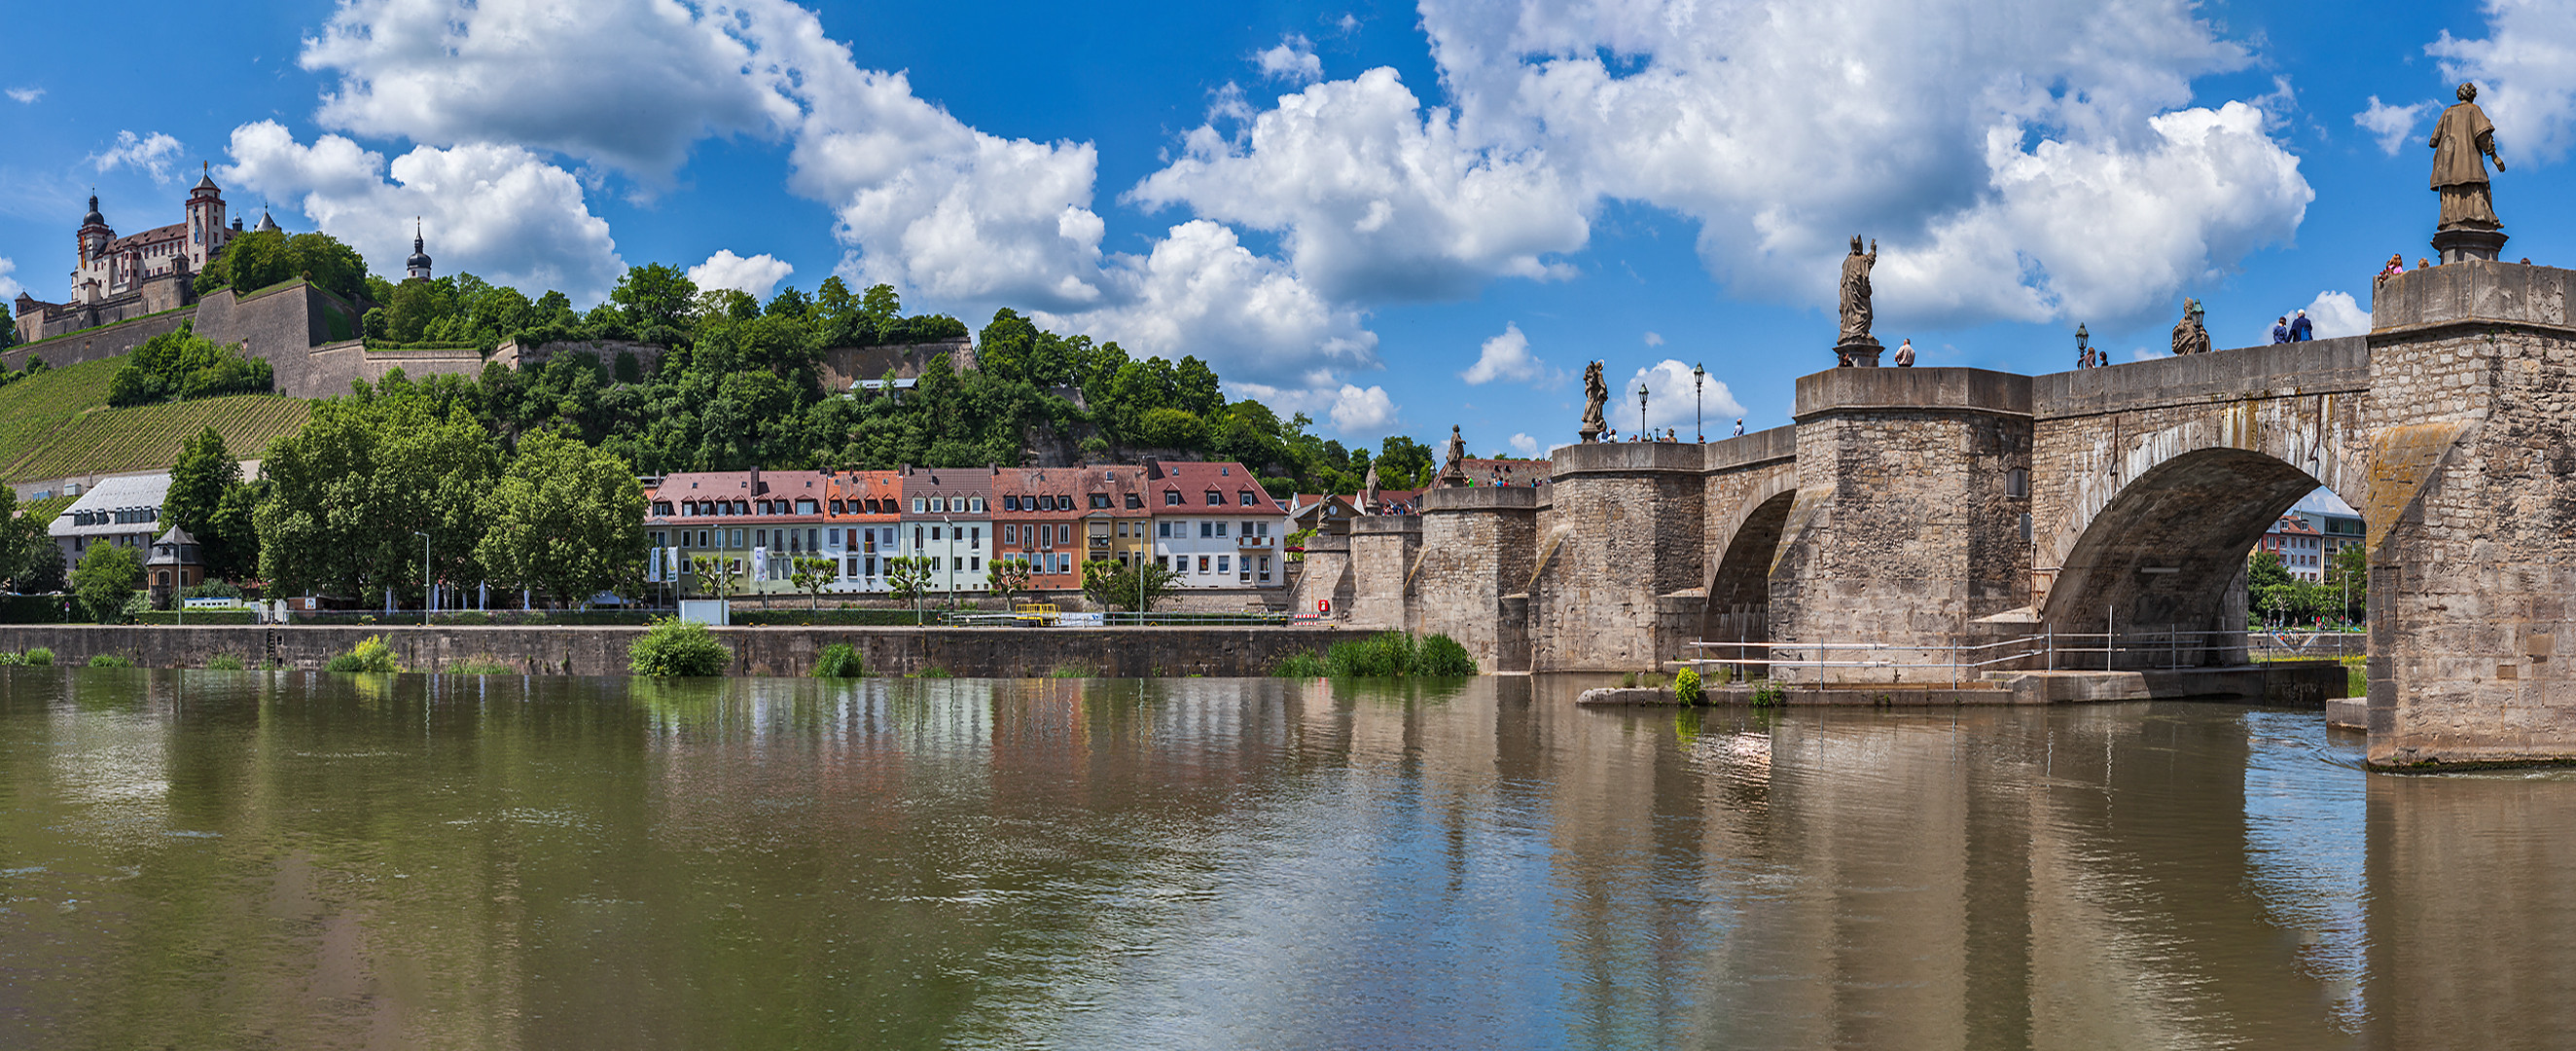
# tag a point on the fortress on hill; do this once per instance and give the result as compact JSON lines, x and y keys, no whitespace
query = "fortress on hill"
{"x":126,"y":290}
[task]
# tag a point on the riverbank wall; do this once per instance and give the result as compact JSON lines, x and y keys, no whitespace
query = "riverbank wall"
{"x":1124,"y":652}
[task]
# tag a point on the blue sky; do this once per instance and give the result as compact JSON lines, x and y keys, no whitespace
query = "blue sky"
{"x":1391,"y":217}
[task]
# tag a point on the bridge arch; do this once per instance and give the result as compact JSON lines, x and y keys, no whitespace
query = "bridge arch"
{"x":1740,"y":561}
{"x":2167,"y":551}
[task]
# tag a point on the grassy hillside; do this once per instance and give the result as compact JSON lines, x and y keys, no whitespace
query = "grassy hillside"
{"x":57,"y":423}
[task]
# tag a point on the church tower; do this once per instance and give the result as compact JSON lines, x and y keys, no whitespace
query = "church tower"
{"x":89,"y":278}
{"x":206,"y":231}
{"x":416,"y":268}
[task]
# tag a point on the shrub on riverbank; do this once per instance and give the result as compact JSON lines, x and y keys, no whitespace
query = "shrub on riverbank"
{"x":678,"y":648}
{"x":839,"y":661}
{"x":1385,"y":654}
{"x":224,"y":662}
{"x":39,"y":657}
{"x":110,"y":660}
{"x":480,"y":666}
{"x":369,"y":655}
{"x":1300,"y":666}
{"x":1686,"y":688}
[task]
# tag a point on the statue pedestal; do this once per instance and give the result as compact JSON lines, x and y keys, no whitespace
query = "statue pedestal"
{"x":2458,"y":246}
{"x":1863,"y":354}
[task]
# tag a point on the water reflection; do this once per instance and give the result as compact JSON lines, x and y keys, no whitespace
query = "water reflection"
{"x":253,"y":859}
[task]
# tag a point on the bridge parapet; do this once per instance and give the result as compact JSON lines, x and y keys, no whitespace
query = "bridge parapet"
{"x":2274,"y":371}
{"x":2477,"y":293}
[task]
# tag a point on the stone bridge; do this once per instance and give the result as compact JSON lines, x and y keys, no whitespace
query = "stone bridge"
{"x":1931,"y":508}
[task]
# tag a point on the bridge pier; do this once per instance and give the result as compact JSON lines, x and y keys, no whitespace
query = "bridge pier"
{"x":1907,"y":528}
{"x":1477,"y":547}
{"x":1616,"y":586}
{"x":2472,"y":517}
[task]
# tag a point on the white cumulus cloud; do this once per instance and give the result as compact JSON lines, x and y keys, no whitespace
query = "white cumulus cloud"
{"x":2392,"y":126}
{"x":758,"y":275}
{"x":2337,"y":314}
{"x":1654,"y":339}
{"x":2018,"y":159}
{"x":630,"y":84}
{"x":497,"y":211}
{"x":1505,"y":357}
{"x":2525,"y":69}
{"x":1524,"y":445}
{"x":26,"y":96}
{"x":1376,"y":198}
{"x":150,"y":153}
{"x":1293,"y":61}
{"x":9,"y":286}
{"x":1201,"y":292}
{"x":1363,"y":413}
{"x":1669,"y":401}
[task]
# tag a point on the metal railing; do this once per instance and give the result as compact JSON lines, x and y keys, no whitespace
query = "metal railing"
{"x":2044,"y":651}
{"x":996,"y":619}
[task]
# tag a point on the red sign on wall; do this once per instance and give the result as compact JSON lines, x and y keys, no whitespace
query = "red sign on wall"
{"x":1323,"y":605}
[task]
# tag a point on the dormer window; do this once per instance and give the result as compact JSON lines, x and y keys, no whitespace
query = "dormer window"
{"x":1244,"y":498}
{"x":1215,"y":499}
{"x":1171,"y":498}
{"x":1135,"y":502}
{"x":916,"y":505}
{"x":977,"y":507}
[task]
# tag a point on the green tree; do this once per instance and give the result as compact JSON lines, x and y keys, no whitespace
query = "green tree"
{"x":233,"y":553}
{"x":352,"y":487}
{"x":715,"y":576}
{"x":27,"y":550}
{"x":1134,"y":587}
{"x":106,"y":578}
{"x":2348,"y":575}
{"x":1194,"y":388}
{"x":8,"y":331}
{"x":654,"y":294}
{"x":1403,"y":463}
{"x":1010,"y":577}
{"x":197,"y":484}
{"x":811,"y":575}
{"x":565,"y":519}
{"x":880,"y":307}
{"x":177,"y":365}
{"x":908,"y":579}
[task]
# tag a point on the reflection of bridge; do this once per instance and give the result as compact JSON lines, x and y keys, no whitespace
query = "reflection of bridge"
{"x":1925,"y":508}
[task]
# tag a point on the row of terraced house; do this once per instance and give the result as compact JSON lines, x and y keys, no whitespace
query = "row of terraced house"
{"x":1209,"y":522}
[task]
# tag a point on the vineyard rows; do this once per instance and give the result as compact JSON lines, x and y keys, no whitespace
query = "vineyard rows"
{"x":55,"y":424}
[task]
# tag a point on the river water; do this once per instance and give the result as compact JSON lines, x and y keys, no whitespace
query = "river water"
{"x":246,"y":859}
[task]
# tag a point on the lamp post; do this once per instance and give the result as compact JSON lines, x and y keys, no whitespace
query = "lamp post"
{"x":425,"y":583}
{"x":1641,"y":412}
{"x":1699,"y":407}
{"x":2083,"y":348}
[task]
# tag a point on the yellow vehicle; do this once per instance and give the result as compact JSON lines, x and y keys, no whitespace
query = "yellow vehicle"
{"x":1033,"y":614}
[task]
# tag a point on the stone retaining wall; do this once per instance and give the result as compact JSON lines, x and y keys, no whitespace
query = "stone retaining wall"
{"x":562,"y":650}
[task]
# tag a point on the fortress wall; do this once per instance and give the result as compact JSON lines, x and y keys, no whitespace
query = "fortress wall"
{"x":98,"y":343}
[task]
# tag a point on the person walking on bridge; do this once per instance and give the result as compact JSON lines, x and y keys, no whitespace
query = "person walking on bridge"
{"x":2302,"y":329}
{"x":2280,"y":330}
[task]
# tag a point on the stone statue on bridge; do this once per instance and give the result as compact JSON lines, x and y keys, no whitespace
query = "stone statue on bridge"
{"x":1854,"y":345}
{"x":2189,"y":335}
{"x":2462,"y":141}
{"x":1368,"y":491}
{"x":1453,"y":474}
{"x":1596,"y":394}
